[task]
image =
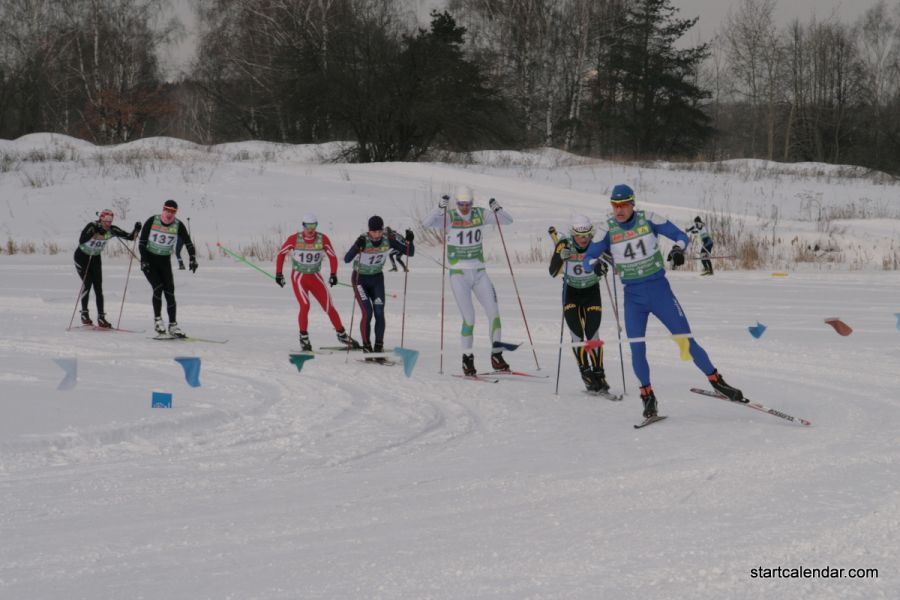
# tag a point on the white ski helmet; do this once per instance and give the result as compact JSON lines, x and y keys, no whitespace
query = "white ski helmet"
{"x":581,"y":225}
{"x":464,"y":194}
{"x":309,"y":219}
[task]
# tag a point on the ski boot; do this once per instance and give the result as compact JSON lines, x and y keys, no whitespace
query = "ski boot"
{"x":305,"y":345}
{"x":180,"y":265}
{"x":379,"y":347}
{"x":469,"y":365}
{"x":394,"y":268}
{"x":158,"y":326}
{"x":102,"y":322}
{"x":347,"y":340}
{"x":175,"y":330}
{"x":649,"y":400}
{"x":587,"y":377}
{"x":497,"y":362}
{"x":706,"y":272}
{"x":718,"y":382}
{"x":599,"y":376}
{"x":367,"y":349}
{"x":86,"y":318}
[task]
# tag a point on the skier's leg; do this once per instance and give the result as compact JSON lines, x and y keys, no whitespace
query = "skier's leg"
{"x":97,"y":277}
{"x":593,"y":315}
{"x":636,"y":315}
{"x":168,"y":280}
{"x":302,"y":299}
{"x":360,"y":292}
{"x":667,"y":309}
{"x":317,"y":287}
{"x":156,"y":284}
{"x":376,"y":296}
{"x":461,"y":285}
{"x":487,"y":297}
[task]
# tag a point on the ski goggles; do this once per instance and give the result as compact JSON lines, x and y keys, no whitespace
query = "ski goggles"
{"x":623,"y":200}
{"x":464,"y":204}
{"x":169,"y":209}
{"x":310,"y":226}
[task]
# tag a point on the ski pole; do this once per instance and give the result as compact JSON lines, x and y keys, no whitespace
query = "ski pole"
{"x":405,"y":280}
{"x":562,"y":320}
{"x":127,"y":277}
{"x":352,"y":309}
{"x":443,"y":283}
{"x":81,"y":290}
{"x":130,"y":250}
{"x":516,"y":288}
{"x":615,"y":296}
{"x":240,"y":258}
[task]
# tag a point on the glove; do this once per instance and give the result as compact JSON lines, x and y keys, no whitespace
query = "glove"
{"x":676,"y":256}
{"x":137,"y":227}
{"x":551,"y":230}
{"x":145,"y":267}
{"x":410,"y":236}
{"x":445,"y":200}
{"x":360,"y":243}
{"x":279,"y":279}
{"x":192,"y":265}
{"x":494,"y":205}
{"x":332,"y":281}
{"x":601,"y":268}
{"x":565,"y":253}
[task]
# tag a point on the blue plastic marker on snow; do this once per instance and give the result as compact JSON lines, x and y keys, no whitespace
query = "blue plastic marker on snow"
{"x":161,"y":400}
{"x":191,"y":366}
{"x":757,"y":331}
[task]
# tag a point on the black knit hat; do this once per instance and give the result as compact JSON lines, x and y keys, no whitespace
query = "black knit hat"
{"x":376,"y":223}
{"x":170,"y":204}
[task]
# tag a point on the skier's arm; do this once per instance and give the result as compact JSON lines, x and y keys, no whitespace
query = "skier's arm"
{"x":351,"y":253}
{"x":329,"y":252}
{"x":662,"y":226}
{"x":399,"y":245}
{"x":594,"y":251}
{"x":556,"y":261}
{"x":88,"y":232}
{"x":184,"y":235}
{"x":286,"y":247}
{"x":435,"y":219}
{"x":120,"y":233}
{"x":145,"y":236}
{"x":504,"y":217}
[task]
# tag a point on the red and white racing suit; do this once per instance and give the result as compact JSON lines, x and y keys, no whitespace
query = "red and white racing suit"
{"x":306,"y":252}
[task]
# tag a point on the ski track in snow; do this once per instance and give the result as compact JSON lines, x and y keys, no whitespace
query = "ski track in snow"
{"x":351,"y":481}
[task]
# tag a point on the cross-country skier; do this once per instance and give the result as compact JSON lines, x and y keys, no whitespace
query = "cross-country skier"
{"x":368,"y":278}
{"x":582,"y":307}
{"x":396,"y":257}
{"x":699,"y":229}
{"x":307,"y":248}
{"x":88,"y":262}
{"x":158,"y":238}
{"x":632,"y":240}
{"x":465,"y":255}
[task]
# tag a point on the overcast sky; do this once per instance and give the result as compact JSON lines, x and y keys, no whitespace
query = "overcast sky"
{"x":711,"y":12}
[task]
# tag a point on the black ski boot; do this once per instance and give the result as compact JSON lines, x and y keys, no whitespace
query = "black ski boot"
{"x":718,"y":382}
{"x":600,"y":379}
{"x":379,"y":347}
{"x":587,"y":377}
{"x":347,"y":340}
{"x":305,"y":344}
{"x":86,"y":318}
{"x":102,"y":322}
{"x":469,"y":365}
{"x":180,"y":265}
{"x":649,"y":400}
{"x":497,"y":362}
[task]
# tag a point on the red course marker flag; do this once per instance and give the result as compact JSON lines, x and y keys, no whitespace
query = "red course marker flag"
{"x":839,"y":326}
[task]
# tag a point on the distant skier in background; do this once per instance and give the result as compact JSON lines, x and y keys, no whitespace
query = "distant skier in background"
{"x":582,"y":305}
{"x":395,"y":257}
{"x":368,"y":278}
{"x":631,"y":238}
{"x":307,"y":248}
{"x":465,"y":255}
{"x":699,"y":229}
{"x":88,"y":262}
{"x":158,"y":238}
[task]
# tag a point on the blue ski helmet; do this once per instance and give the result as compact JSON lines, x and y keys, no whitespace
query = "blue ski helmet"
{"x":622,"y":193}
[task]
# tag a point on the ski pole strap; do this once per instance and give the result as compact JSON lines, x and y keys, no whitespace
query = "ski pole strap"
{"x":240,"y":258}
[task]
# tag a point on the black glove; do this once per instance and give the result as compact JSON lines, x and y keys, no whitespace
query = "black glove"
{"x":410,"y":236}
{"x":192,"y":265}
{"x":332,"y":281}
{"x":279,"y":279}
{"x":360,"y":243}
{"x":137,"y":227}
{"x":445,"y":201}
{"x":676,"y":256}
{"x":145,"y":267}
{"x":601,"y":268}
{"x":494,"y":205}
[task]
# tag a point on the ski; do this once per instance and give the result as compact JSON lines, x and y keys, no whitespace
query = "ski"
{"x":378,"y":361}
{"x":754,"y":405}
{"x":607,"y":394}
{"x":649,"y":421}
{"x":186,"y":338}
{"x":98,"y":328}
{"x":313,"y":352}
{"x":518,"y":374}
{"x":340,"y":348}
{"x":480,"y":378}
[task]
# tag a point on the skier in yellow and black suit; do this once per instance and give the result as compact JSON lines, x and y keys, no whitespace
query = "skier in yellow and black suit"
{"x":582,"y":307}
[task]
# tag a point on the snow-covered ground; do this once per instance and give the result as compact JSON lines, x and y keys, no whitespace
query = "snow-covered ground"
{"x":351,"y":481}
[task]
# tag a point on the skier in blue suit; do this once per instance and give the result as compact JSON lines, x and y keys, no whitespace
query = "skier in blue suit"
{"x":632,"y":239}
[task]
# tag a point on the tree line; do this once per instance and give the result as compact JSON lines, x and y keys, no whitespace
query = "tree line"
{"x":606,"y":78}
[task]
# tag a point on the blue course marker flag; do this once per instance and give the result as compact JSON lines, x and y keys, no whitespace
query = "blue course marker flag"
{"x":191,"y":366}
{"x":298,"y":359}
{"x":161,"y":400}
{"x":409,"y":358}
{"x":757,"y":331}
{"x":70,"y":366}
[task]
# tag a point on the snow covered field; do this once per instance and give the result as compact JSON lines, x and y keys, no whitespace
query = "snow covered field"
{"x":351,"y":481}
